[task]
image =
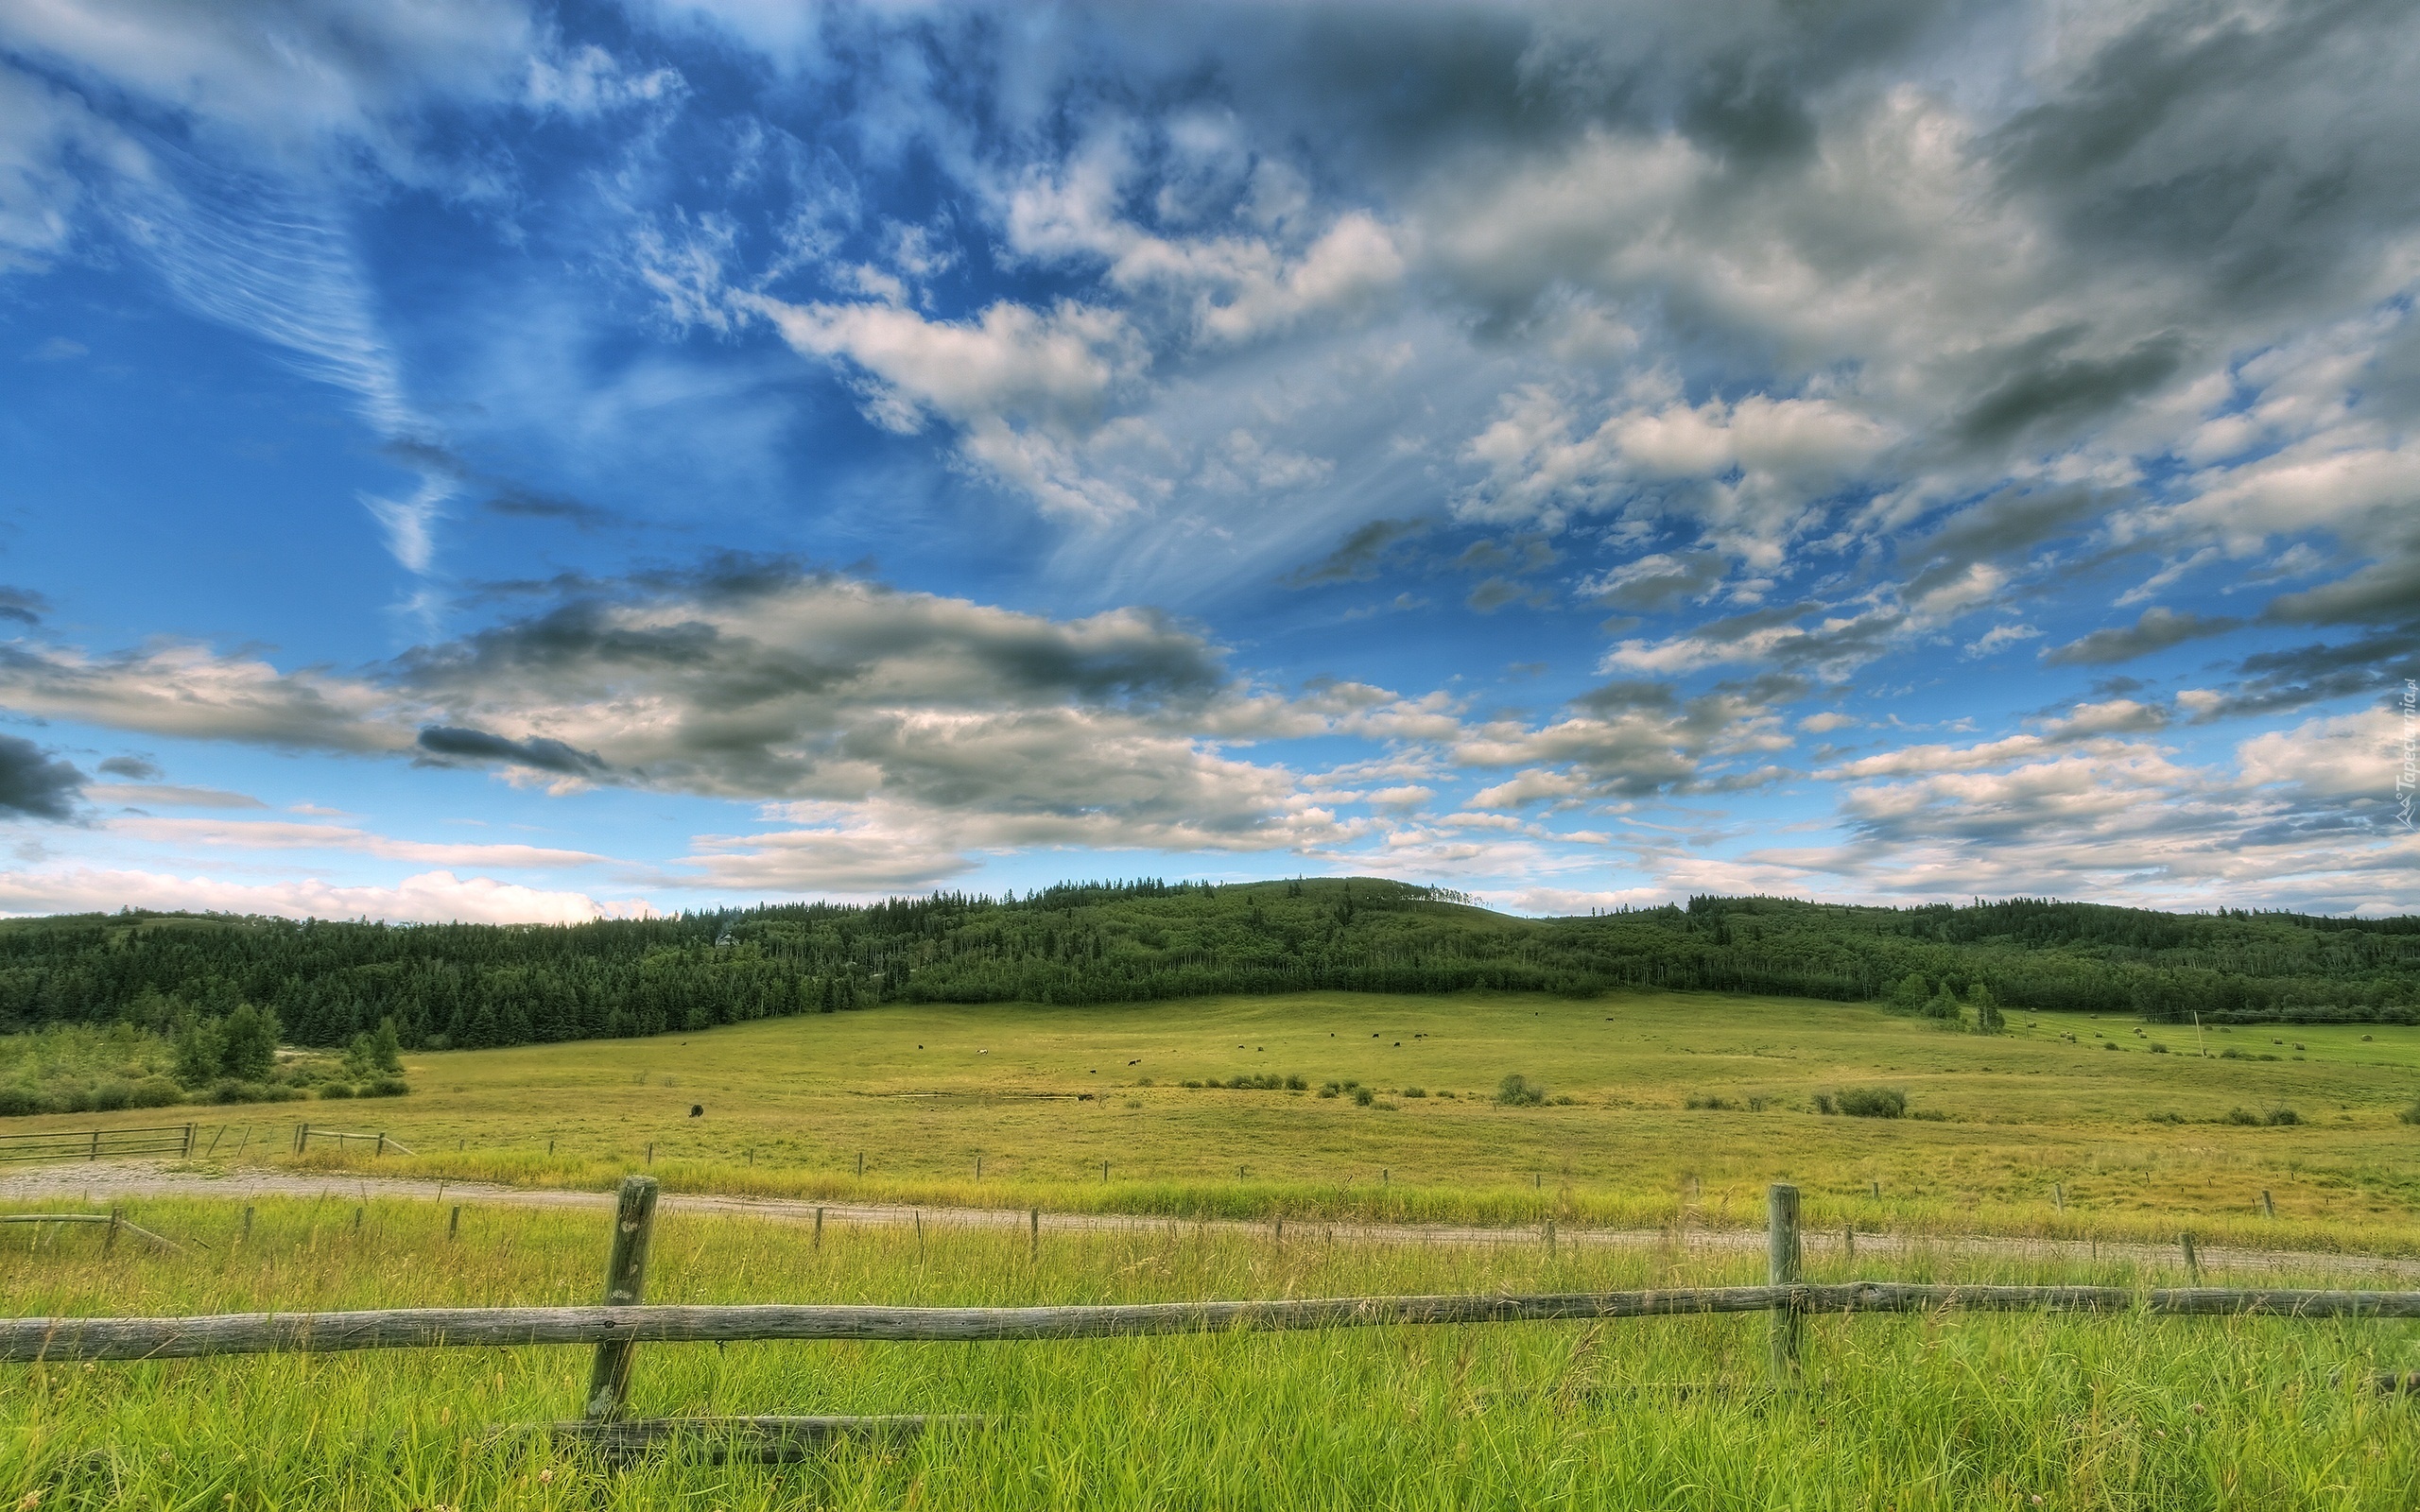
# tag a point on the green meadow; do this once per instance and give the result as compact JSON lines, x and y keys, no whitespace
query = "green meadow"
{"x":2130,"y":1122}
{"x":1658,"y":1112}
{"x":1949,"y":1412}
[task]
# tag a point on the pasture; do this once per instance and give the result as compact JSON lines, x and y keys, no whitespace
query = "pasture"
{"x":2135,"y":1141}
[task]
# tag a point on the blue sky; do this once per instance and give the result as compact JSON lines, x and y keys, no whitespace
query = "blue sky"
{"x":473,"y":459}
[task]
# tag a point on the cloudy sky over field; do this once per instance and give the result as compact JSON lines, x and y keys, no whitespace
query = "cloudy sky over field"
{"x":463,"y":458}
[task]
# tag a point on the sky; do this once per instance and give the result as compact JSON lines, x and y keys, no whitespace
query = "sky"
{"x":484,"y":460}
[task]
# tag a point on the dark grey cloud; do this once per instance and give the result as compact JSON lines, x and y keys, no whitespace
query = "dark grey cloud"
{"x":2385,"y":592}
{"x":2048,"y":387}
{"x":133,"y":768}
{"x":1617,"y":697}
{"x":33,"y":785}
{"x":2257,"y":151}
{"x":538,"y":752}
{"x":2156,"y":630}
{"x":2282,"y":681}
{"x":1655,"y":584}
{"x":516,"y":503}
{"x":22,"y":604}
{"x":1360,"y":556}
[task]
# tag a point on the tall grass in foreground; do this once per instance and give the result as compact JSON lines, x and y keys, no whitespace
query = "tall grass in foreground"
{"x":1843,"y":1200}
{"x":1950,"y":1412}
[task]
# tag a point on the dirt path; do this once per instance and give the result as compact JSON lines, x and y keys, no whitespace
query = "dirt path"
{"x":118,"y":1180}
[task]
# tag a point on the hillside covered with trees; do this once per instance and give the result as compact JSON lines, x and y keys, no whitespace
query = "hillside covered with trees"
{"x":464,"y":985}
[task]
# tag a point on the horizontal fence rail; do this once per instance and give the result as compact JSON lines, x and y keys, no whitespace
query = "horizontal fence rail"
{"x":97,"y":1143}
{"x":171,"y":1338}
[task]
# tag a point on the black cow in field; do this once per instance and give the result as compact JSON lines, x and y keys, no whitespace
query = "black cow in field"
{"x":697,"y":1110}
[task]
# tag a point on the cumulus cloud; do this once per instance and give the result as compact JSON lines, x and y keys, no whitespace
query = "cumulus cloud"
{"x":757,"y":681}
{"x":427,"y":898}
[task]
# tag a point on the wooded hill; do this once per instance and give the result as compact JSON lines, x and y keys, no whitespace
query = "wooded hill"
{"x":476,"y":984}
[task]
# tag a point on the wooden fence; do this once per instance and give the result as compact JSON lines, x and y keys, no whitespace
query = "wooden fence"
{"x":97,"y":1143}
{"x":381,"y":1142}
{"x":624,"y":1322}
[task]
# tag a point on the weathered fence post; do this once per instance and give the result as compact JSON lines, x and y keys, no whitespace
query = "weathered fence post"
{"x":2192,"y":1260}
{"x":650,"y":1153}
{"x":1781,"y":1237}
{"x":818,"y":1228}
{"x":1877,"y":1190}
{"x":1550,"y":1237}
{"x":248,"y":1225}
{"x":2268,"y":1205}
{"x":109,"y":1242}
{"x":861,"y":1164}
{"x":2058,"y":1196}
{"x":1104,"y":1172}
{"x":381,"y":1148}
{"x":356,"y":1218}
{"x":1034,"y":1247}
{"x":188,"y":1149}
{"x":609,"y":1378}
{"x":979,"y":1168}
{"x":454,"y":1222}
{"x":96,"y":1146}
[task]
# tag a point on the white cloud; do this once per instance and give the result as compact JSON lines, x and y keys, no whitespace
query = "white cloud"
{"x":431,"y":897}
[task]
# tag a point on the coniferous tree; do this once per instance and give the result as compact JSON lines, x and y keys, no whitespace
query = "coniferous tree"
{"x":249,"y":1040}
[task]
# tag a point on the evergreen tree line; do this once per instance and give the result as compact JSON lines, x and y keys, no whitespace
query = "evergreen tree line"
{"x":328,"y":983}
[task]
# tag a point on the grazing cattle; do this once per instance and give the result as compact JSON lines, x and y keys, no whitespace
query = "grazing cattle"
{"x":697,"y":1110}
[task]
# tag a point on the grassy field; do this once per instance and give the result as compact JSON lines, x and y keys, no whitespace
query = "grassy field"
{"x":1904,"y":1412}
{"x":2137,"y":1139}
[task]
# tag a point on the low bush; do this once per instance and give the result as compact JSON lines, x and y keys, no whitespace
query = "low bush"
{"x":2241,"y":1115}
{"x":157,"y":1092}
{"x":1517,"y":1091}
{"x":2281,"y":1116}
{"x":1864,"y":1101}
{"x":337,"y":1090}
{"x":1415,"y":1092}
{"x":2411,"y":1115}
{"x":1363,"y":1097}
{"x":1709,"y":1101}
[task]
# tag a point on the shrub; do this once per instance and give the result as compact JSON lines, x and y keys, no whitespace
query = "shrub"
{"x":20,"y":1102}
{"x":337,"y":1088}
{"x":2280,"y":1116}
{"x":2241,"y":1115}
{"x":1363,"y":1097}
{"x":1415,"y":1092}
{"x":1190,"y":1083}
{"x":106,"y":1097}
{"x":1564,"y":1101}
{"x":1517,"y":1091}
{"x":157,"y":1092}
{"x":2159,"y":1049}
{"x":1871,"y":1102}
{"x":1296,"y":1084}
{"x":2410,"y":1115}
{"x":1706,"y":1100}
{"x":1329,"y":1089}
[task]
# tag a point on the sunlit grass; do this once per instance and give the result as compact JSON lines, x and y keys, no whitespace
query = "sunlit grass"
{"x":2134,"y":1144}
{"x":1956,"y":1410}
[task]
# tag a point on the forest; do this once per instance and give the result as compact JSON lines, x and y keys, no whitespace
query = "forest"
{"x":465,"y":986}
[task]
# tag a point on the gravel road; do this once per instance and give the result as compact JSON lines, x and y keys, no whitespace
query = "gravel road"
{"x":121,"y":1180}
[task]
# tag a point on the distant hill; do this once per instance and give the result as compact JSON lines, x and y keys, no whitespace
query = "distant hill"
{"x":477,"y":985}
